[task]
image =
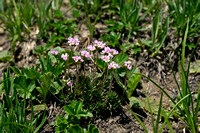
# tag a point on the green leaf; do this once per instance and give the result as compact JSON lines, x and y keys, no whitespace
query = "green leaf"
{"x":154,"y":105}
{"x":101,"y":64}
{"x":84,"y":114}
{"x":78,"y":107}
{"x":56,"y":87}
{"x":5,"y":56}
{"x":136,"y":102}
{"x":136,"y":49}
{"x":133,"y":80}
{"x":125,"y":46}
{"x":75,"y":129}
{"x":69,"y":110}
{"x":39,"y":50}
{"x":121,"y":71}
{"x":120,"y":58}
{"x":195,"y":67}
{"x":40,"y":107}
{"x":24,"y":86}
{"x":155,"y":26}
{"x":15,"y":69}
{"x":39,"y":89}
{"x":92,"y":129}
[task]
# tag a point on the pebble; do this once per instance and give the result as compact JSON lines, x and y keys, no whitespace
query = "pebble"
{"x":2,"y":31}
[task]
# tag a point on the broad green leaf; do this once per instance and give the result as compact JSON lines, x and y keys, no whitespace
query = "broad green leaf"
{"x":39,"y":50}
{"x":75,"y":129}
{"x":125,"y":46}
{"x":101,"y":63}
{"x":195,"y":67}
{"x":78,"y":107}
{"x":92,"y":129}
{"x":136,"y":102}
{"x":69,"y":110}
{"x":133,"y":80}
{"x":120,"y":58}
{"x":56,"y":87}
{"x":31,"y":73}
{"x":136,"y":49}
{"x":15,"y":69}
{"x":24,"y":86}
{"x":5,"y":56}
{"x":84,"y":114}
{"x":154,"y":105}
{"x":121,"y":71}
{"x":39,"y":89}
{"x":40,"y":107}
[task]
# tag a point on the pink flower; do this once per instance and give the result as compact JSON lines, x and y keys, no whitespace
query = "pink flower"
{"x":54,"y":52}
{"x":105,"y":58}
{"x":110,"y":55}
{"x":106,"y":50}
{"x":73,"y":41}
{"x":77,"y":58}
{"x":99,"y":44}
{"x":85,"y":53}
{"x":96,"y":41}
{"x":113,"y":65}
{"x":64,"y":56}
{"x":76,"y":41}
{"x":128,"y":65}
{"x":113,"y":52}
{"x":69,"y":82}
{"x":91,"y":48}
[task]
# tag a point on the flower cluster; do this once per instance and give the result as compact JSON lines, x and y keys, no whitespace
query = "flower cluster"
{"x":113,"y":65}
{"x":73,"y":41}
{"x":128,"y":65}
{"x":99,"y":44}
{"x":85,"y":54}
{"x":77,"y":58}
{"x":105,"y":58}
{"x":54,"y":52}
{"x":91,"y":47}
{"x":108,"y":53}
{"x":64,"y":56}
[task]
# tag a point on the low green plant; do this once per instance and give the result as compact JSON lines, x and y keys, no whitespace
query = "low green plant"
{"x":72,"y":119}
{"x":13,"y":22}
{"x":183,"y":10}
{"x":185,"y":104}
{"x":159,"y":33}
{"x":90,"y":11}
{"x":129,"y":12}
{"x":13,"y":114}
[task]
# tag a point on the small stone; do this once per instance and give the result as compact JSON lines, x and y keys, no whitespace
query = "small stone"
{"x":2,"y":31}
